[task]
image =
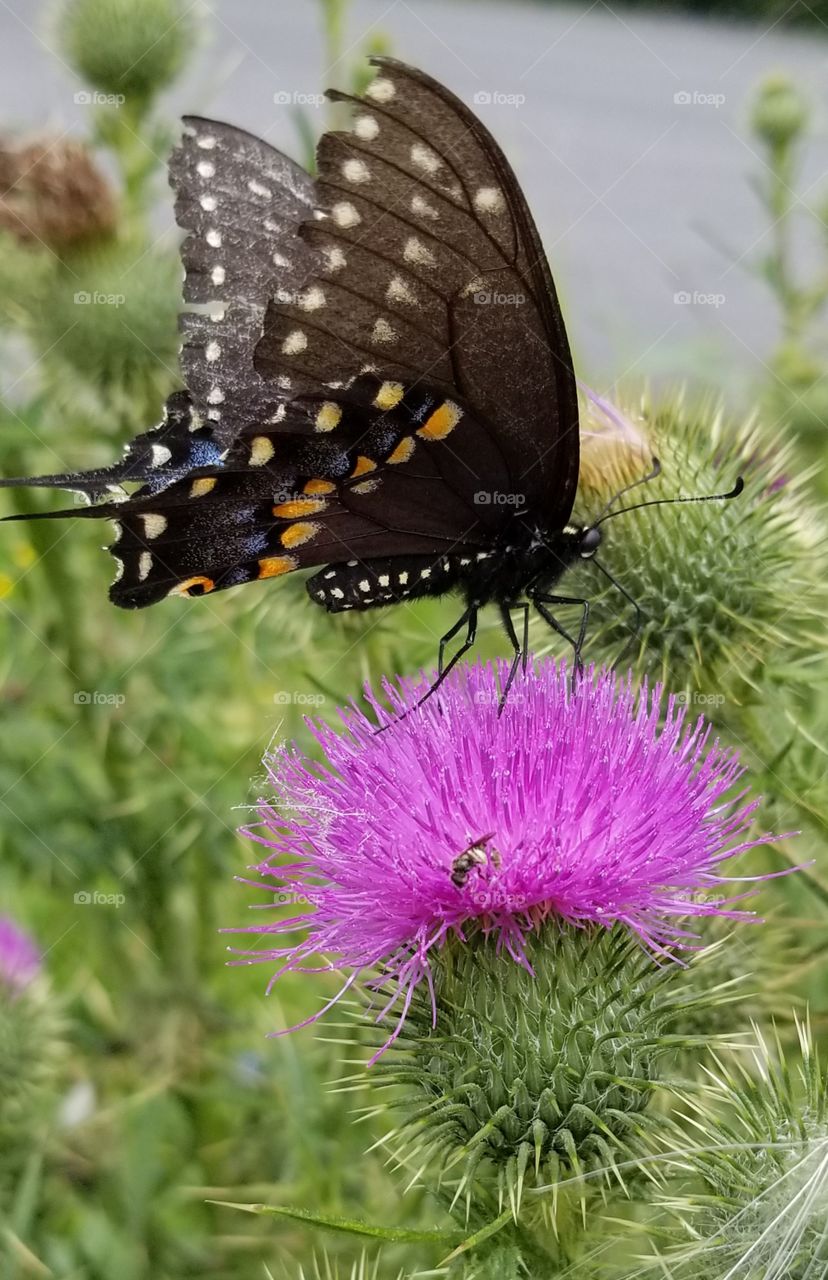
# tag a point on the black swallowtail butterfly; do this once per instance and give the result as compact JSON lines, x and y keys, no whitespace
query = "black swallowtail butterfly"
{"x":357,"y":395}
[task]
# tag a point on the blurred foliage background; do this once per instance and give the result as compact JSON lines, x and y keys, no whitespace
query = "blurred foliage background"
{"x":131,"y":742}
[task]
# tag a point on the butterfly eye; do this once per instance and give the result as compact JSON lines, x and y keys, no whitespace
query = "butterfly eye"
{"x":590,"y":542}
{"x":193,"y":587}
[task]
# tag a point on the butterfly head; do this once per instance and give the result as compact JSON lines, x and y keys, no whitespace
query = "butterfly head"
{"x":589,"y":540}
{"x":581,"y":542}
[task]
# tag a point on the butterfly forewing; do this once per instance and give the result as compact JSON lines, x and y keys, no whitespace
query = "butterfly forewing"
{"x":436,"y":273}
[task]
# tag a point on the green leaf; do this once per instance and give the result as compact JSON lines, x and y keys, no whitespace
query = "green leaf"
{"x":351,"y":1226}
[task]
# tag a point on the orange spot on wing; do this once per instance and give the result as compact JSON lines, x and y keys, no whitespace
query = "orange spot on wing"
{"x":301,"y":507}
{"x":363,"y":466}
{"x":441,"y":421}
{"x":274,"y":566}
{"x":319,"y":486}
{"x":296,"y":534}
{"x":403,"y":451}
{"x":189,"y":587}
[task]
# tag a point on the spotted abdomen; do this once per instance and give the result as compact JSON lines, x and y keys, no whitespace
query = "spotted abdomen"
{"x":357,"y":584}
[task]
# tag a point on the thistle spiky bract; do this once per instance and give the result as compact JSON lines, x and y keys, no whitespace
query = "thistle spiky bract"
{"x":535,"y":1087}
{"x":723,"y":587}
{"x":760,"y":1157}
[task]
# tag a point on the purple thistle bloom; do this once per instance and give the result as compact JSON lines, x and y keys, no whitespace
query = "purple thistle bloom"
{"x":574,"y":805}
{"x":20,"y":959}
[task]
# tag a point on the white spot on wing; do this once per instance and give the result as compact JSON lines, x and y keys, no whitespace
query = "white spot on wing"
{"x":312,"y":299}
{"x":213,"y":238}
{"x":261,"y":451}
{"x":154,"y":524}
{"x":335,"y":258}
{"x":345,"y":215}
{"x":398,"y":291}
{"x":424,"y":158}
{"x":206,"y":142}
{"x":217,"y":275}
{"x":356,"y":171}
{"x":208,"y":203}
{"x":215,"y":396}
{"x":144,"y":565}
{"x":295,"y":342}
{"x":212,"y":351}
{"x":159,"y":454}
{"x":258,"y":189}
{"x":422,"y":208}
{"x":366,"y":127}
{"x":489,"y":200}
{"x":381,"y":90}
{"x":383,"y":331}
{"x":415,"y":251}
{"x":205,"y":169}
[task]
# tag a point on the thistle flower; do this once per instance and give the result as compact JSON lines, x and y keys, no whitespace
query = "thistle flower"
{"x":20,"y":960}
{"x":762,"y":1160}
{"x":724,"y":588}
{"x":31,"y":1051}
{"x":570,"y":806}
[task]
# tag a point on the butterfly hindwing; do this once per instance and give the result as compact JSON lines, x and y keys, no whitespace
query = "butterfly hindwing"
{"x":366,"y":483}
{"x":240,"y":202}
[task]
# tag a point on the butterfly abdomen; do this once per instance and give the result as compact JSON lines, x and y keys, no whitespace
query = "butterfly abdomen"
{"x":360,"y":585}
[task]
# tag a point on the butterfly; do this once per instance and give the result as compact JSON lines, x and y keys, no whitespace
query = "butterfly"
{"x":379,"y":384}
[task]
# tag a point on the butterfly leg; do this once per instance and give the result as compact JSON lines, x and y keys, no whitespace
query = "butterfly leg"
{"x":521,"y":651}
{"x":541,"y":601}
{"x":639,"y":613}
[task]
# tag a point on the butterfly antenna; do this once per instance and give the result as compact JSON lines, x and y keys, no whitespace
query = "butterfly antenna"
{"x":651,"y":475}
{"x":663,"y":502}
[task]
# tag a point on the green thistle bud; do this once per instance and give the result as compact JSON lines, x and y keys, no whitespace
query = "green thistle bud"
{"x":130,"y":49}
{"x":780,"y":114}
{"x":536,"y":1083}
{"x":721,"y":585}
{"x":763,"y":1166}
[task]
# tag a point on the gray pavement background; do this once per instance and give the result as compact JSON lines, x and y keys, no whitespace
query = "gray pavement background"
{"x":640,"y":196}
